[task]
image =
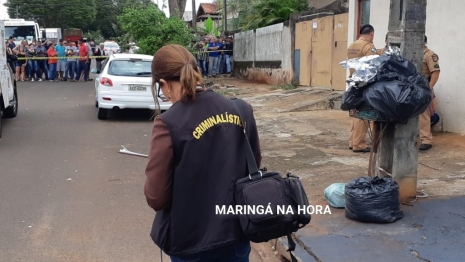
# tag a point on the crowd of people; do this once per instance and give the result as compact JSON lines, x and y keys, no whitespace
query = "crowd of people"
{"x":214,"y":55}
{"x":52,"y":61}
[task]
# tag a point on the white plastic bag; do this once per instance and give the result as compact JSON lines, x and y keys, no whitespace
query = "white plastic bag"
{"x":334,"y":194}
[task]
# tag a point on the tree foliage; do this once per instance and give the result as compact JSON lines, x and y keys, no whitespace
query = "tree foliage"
{"x":151,"y":29}
{"x":89,"y":15}
{"x":54,"y":13}
{"x":262,"y":13}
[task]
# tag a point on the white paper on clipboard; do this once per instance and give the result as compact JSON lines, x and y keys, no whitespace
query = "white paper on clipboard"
{"x":315,"y":25}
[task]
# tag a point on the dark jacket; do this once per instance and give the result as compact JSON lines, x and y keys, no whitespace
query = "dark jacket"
{"x":208,"y":156}
{"x":229,"y":46}
{"x":99,"y":52}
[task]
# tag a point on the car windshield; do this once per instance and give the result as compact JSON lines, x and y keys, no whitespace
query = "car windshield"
{"x":131,"y":67}
{"x":111,"y":45}
{"x":20,"y":32}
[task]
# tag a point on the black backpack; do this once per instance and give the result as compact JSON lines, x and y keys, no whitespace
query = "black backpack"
{"x":271,"y":206}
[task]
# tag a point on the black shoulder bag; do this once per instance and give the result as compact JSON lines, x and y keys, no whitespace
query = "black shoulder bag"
{"x":272,"y":205}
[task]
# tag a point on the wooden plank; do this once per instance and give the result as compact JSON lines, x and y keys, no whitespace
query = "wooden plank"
{"x":303,"y":36}
{"x":339,"y":52}
{"x":322,"y":43}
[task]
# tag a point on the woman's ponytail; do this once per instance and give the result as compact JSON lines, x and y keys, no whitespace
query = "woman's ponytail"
{"x":190,"y":77}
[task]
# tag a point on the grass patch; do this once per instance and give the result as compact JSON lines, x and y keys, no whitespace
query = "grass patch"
{"x":285,"y":87}
{"x":289,"y":87}
{"x":226,"y":92}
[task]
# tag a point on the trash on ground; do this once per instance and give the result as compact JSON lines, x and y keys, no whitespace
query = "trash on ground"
{"x":373,"y":200}
{"x":334,"y":194}
{"x":125,"y":151}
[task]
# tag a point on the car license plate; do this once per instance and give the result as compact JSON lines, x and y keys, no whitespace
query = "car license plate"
{"x":137,"y":88}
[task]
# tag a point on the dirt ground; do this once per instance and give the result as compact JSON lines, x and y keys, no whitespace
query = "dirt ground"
{"x":314,"y":144}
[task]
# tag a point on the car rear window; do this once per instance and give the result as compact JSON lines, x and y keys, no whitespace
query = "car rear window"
{"x":131,"y":67}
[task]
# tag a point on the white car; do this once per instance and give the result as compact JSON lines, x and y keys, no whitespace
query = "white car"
{"x":111,"y":47}
{"x":125,"y":82}
{"x":133,"y":49}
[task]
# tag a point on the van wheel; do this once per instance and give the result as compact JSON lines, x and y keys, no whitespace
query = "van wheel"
{"x":12,"y":111}
{"x":102,"y":113}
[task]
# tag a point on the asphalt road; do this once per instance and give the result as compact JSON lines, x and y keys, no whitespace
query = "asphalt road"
{"x":66,"y":193}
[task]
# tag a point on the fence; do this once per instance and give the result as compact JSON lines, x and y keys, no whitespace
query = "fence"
{"x":264,"y":54}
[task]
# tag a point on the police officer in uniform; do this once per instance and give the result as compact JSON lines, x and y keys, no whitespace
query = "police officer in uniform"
{"x":431,"y":70}
{"x":197,"y":153}
{"x":362,"y":47}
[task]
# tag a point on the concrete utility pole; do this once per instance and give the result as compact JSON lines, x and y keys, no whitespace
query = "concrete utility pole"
{"x":398,"y":154}
{"x":194,"y":15}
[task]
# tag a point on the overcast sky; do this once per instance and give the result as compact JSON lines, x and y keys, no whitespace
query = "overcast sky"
{"x":4,"y":14}
{"x":188,"y":4}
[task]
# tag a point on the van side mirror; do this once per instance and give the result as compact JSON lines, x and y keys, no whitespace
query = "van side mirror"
{"x":44,"y":35}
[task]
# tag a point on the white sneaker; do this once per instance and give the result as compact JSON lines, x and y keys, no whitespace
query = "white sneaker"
{"x":40,"y":80}
{"x":32,"y":79}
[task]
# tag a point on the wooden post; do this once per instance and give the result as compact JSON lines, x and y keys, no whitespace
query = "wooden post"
{"x":398,"y":152}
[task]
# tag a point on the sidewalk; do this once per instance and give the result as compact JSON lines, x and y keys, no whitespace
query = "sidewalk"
{"x":314,"y":146}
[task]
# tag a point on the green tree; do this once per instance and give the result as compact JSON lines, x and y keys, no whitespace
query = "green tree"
{"x":268,"y":12}
{"x":108,"y":12}
{"x":54,"y":13}
{"x":151,"y":29}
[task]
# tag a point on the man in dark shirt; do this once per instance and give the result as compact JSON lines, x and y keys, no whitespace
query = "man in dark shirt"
{"x":12,"y":45}
{"x":11,"y":42}
{"x":42,"y":66}
{"x":229,"y":53}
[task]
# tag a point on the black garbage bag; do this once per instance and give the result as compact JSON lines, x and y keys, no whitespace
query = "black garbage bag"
{"x":373,"y":200}
{"x":352,"y":99}
{"x":400,"y":100}
{"x":393,"y":67}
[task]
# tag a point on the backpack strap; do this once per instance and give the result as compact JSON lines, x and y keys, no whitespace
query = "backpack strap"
{"x":251,"y":163}
{"x":291,"y":244}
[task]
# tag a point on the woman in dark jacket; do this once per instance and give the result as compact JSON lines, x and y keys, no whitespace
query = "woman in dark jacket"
{"x":197,"y":153}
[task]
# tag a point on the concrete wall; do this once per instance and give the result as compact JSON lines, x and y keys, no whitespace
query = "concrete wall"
{"x":444,"y":38}
{"x":319,"y":3}
{"x":264,"y":55}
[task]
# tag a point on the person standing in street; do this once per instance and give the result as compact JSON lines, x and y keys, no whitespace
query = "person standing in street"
{"x":52,"y":62}
{"x":100,"y":51}
{"x":197,"y":152}
{"x":42,"y":67}
{"x":431,"y":70}
{"x":83,"y":59}
{"x":229,"y":54}
{"x":61,"y":64}
{"x":213,"y":57}
{"x":71,"y":52}
{"x":360,"y":48}
{"x":11,"y":45}
{"x":89,"y":60}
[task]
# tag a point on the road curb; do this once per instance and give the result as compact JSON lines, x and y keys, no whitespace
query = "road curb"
{"x":300,"y":253}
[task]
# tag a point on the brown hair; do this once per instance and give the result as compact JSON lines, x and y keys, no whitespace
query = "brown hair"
{"x":175,"y":63}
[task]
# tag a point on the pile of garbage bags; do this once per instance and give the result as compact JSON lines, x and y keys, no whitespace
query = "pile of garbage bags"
{"x":387,"y":83}
{"x":373,"y":200}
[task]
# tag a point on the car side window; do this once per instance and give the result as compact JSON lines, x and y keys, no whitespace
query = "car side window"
{"x":104,"y":63}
